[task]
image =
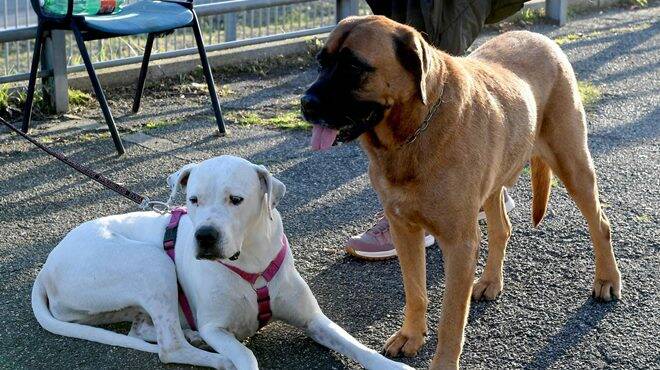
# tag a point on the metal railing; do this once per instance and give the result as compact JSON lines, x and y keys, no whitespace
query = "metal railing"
{"x":225,"y":24}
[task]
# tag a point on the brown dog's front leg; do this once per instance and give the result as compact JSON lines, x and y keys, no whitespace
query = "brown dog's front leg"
{"x":409,"y":242}
{"x":459,"y":263}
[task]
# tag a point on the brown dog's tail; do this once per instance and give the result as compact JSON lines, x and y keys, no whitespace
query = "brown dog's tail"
{"x":541,"y":182}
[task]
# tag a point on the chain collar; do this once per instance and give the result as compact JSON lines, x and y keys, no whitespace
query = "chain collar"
{"x":427,"y":120}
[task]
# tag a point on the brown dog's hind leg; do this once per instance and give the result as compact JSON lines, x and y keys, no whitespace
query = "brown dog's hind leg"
{"x":409,"y":242}
{"x":491,"y":282}
{"x":459,"y":252}
{"x":568,"y":155}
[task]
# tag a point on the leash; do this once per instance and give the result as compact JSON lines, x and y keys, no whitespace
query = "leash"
{"x":143,"y":202}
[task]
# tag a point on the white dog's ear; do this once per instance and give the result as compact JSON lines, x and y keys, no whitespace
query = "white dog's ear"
{"x":178,"y":180}
{"x":272,"y":188}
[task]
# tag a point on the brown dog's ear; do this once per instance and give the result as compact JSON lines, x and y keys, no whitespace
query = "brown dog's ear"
{"x":411,"y":50}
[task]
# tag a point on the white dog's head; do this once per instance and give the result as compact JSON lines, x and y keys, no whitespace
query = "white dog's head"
{"x":227,"y":198}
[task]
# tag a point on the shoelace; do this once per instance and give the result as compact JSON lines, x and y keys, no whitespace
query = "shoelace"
{"x":380,"y":229}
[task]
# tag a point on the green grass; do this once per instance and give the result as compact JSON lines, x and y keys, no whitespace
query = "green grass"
{"x":566,"y":39}
{"x":4,"y":97}
{"x":644,"y":218}
{"x":589,"y":93}
{"x":532,"y":16}
{"x":573,"y":37}
{"x":92,"y":136}
{"x":79,"y":98}
{"x":290,"y":120}
{"x":154,"y":124}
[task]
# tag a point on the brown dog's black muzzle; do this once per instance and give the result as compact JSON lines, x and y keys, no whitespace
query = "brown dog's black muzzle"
{"x":311,"y":109}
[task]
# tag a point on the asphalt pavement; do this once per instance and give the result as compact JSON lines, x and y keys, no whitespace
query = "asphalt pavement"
{"x":545,"y":317}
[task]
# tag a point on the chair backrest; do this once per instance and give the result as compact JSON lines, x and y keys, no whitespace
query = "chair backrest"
{"x":36,"y":6}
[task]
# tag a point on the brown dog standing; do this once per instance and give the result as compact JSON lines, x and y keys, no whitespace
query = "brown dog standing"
{"x":443,"y":136}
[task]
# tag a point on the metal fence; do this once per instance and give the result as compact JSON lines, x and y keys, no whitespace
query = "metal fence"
{"x":225,"y":24}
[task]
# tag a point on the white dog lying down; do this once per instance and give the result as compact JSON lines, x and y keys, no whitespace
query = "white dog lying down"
{"x":115,"y":269}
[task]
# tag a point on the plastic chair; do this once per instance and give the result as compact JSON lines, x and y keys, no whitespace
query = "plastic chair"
{"x":152,"y":17}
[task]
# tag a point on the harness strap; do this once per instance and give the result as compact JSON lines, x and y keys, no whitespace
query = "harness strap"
{"x":263,"y":295}
{"x":169,"y":242}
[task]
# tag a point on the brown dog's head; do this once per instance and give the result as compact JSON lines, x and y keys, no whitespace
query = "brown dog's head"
{"x":368,"y":66}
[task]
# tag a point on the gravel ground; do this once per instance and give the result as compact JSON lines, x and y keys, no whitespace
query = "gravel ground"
{"x":544,"y":319}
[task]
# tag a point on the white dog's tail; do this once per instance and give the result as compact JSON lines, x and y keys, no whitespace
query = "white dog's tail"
{"x":80,"y":331}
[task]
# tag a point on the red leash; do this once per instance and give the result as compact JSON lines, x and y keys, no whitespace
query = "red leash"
{"x":143,"y":202}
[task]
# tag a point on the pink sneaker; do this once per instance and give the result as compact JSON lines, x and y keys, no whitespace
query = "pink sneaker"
{"x":376,"y":243}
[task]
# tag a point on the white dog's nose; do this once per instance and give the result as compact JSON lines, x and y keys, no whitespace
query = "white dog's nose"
{"x":207,"y":235}
{"x":207,"y":242}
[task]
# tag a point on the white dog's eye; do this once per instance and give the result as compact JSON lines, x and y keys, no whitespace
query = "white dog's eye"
{"x":193,"y":200}
{"x":235,"y":200}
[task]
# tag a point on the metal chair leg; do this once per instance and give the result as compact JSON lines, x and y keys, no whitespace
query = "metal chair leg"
{"x":143,"y":73}
{"x":100,"y":96}
{"x":208,"y":75}
{"x":34,"y":70}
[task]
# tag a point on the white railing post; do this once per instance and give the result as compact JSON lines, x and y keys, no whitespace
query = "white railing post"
{"x":346,"y":8}
{"x":230,"y":26}
{"x":556,"y":10}
{"x":56,"y":86}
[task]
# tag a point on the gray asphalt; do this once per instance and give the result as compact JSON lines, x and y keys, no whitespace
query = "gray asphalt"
{"x":545,"y":317}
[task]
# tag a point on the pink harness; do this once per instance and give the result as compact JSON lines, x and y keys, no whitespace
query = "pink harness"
{"x":263,"y":295}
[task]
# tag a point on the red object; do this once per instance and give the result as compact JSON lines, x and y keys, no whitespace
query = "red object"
{"x":263,"y":296}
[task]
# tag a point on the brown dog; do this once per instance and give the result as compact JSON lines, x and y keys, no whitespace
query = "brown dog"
{"x":443,"y":136}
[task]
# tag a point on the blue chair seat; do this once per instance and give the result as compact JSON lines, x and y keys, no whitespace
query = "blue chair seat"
{"x":145,"y":16}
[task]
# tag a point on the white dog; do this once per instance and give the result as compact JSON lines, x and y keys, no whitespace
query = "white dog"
{"x":115,"y":269}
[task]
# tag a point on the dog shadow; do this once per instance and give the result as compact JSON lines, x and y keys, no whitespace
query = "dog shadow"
{"x":580,"y":324}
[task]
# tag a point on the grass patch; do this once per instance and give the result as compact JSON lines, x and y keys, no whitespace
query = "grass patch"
{"x":532,"y":16}
{"x":566,"y":39}
{"x":154,"y":124}
{"x":573,"y":37}
{"x":589,"y":93}
{"x":92,"y":136}
{"x":643,"y":218}
{"x":79,"y":98}
{"x":286,"y":121}
{"x":4,"y":97}
{"x":47,"y":140}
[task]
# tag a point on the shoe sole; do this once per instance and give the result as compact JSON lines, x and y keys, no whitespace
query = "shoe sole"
{"x":429,"y":240}
{"x":509,"y":204}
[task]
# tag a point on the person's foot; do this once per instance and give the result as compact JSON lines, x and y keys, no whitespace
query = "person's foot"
{"x":376,"y":243}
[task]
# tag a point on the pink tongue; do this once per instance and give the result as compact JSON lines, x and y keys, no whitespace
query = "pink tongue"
{"x":322,"y":138}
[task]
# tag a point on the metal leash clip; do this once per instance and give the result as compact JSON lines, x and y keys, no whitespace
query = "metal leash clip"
{"x":156,"y":206}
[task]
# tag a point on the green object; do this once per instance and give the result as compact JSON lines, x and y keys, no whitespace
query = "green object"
{"x":83,"y":7}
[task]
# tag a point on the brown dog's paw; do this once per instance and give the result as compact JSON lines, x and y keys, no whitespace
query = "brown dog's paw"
{"x":487,"y":290}
{"x":407,"y":344}
{"x":607,"y":289}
